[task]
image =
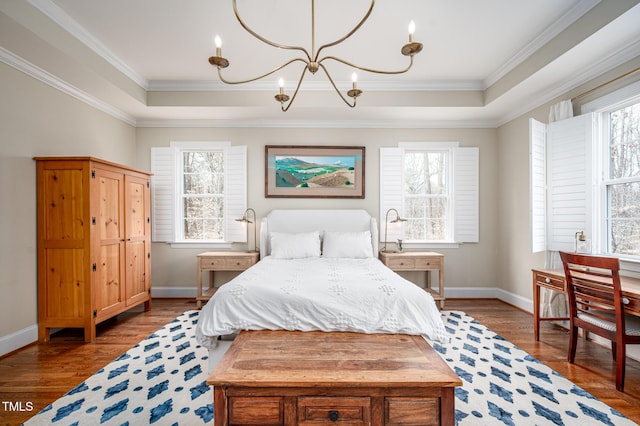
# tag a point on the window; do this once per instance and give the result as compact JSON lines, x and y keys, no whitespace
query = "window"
{"x":427,"y":195}
{"x":585,"y":176}
{"x":621,"y":183}
{"x":202,"y":195}
{"x":435,"y":188}
{"x":198,"y":189}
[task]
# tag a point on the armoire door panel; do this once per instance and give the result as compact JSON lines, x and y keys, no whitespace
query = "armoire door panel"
{"x":65,"y":293}
{"x":110,"y":221}
{"x":136,"y":269}
{"x":63,"y":194}
{"x":110,"y":282}
{"x":136,"y":208}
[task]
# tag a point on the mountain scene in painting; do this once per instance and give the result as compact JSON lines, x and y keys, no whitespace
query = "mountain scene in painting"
{"x":309,"y":172}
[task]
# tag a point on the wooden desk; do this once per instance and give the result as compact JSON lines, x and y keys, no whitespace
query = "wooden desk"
{"x":221,"y":261}
{"x":418,"y":261}
{"x":555,"y":280}
{"x":315,"y":378}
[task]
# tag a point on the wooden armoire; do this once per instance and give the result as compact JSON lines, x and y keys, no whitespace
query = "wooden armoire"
{"x":94,"y":242}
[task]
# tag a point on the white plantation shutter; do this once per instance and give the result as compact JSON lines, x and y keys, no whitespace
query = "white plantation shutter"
{"x":391,"y":191}
{"x":163,"y":204}
{"x":236,"y":193}
{"x":569,"y":180}
{"x":537,"y":184}
{"x":466,"y":169}
{"x":164,"y":201}
{"x":465,"y":192}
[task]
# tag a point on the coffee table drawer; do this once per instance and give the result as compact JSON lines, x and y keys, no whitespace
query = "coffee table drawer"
{"x":412,"y":411}
{"x":337,"y":410}
{"x":265,"y":411}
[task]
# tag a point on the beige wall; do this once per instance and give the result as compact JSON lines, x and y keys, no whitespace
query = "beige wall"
{"x":37,"y":120}
{"x":470,"y":266}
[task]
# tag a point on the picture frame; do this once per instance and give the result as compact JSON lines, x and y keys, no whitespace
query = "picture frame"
{"x":298,"y":171}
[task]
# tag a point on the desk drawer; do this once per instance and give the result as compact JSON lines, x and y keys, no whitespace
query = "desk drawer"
{"x":550,"y":281}
{"x":633,"y":305}
{"x":328,"y":410}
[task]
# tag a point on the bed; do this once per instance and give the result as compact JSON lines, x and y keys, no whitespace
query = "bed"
{"x":319,"y":272}
{"x":326,"y":333}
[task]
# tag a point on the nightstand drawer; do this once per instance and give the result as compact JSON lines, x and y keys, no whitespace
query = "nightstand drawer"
{"x":226,"y":264}
{"x":327,"y":410}
{"x":400,"y":263}
{"x":428,"y":263}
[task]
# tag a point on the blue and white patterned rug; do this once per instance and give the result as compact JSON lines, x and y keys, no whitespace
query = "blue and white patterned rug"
{"x":161,"y":381}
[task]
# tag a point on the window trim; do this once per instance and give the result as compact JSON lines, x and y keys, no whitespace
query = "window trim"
{"x":466,"y":189}
{"x":601,"y":108}
{"x":166,"y":192}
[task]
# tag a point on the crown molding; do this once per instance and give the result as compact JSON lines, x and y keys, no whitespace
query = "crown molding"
{"x":548,"y":34}
{"x":57,"y":15}
{"x":615,"y":59}
{"x":38,"y":73}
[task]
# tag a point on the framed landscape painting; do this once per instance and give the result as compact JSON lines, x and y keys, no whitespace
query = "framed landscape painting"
{"x":314,"y":171}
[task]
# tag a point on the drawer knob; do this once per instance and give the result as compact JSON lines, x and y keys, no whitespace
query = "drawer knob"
{"x":334,"y":415}
{"x":401,"y":263}
{"x":547,"y":280}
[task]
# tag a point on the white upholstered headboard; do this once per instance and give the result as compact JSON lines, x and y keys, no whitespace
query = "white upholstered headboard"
{"x":294,"y":221}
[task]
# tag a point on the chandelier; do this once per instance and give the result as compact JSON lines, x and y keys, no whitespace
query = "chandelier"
{"x":312,"y":60}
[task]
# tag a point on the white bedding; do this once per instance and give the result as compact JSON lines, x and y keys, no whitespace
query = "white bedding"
{"x":326,"y":294}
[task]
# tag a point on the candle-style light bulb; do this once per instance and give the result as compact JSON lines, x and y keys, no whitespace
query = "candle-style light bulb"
{"x":354,"y":80}
{"x":281,"y":84}
{"x":218,"y":41}
{"x":412,"y":30}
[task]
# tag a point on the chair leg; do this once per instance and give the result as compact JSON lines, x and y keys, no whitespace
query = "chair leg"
{"x":621,"y":360}
{"x":613,"y":350}
{"x":573,"y":342}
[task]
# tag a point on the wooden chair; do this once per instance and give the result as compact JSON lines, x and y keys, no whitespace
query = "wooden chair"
{"x":596,"y":305}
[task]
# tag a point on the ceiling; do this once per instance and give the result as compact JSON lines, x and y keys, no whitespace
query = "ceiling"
{"x":483,"y":63}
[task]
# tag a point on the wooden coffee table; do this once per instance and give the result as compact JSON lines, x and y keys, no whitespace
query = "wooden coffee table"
{"x":312,"y":378}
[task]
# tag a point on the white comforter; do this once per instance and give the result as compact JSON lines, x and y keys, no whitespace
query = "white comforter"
{"x":358,"y":295}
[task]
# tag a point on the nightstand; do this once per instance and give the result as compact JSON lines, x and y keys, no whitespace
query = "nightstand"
{"x":221,"y":261}
{"x":418,"y":261}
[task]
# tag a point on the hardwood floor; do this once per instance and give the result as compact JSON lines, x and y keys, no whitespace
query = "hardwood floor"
{"x":35,"y":376}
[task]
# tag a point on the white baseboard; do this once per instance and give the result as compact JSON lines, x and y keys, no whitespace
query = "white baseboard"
{"x":19,"y":339}
{"x":489,"y":293}
{"x":174,"y":292}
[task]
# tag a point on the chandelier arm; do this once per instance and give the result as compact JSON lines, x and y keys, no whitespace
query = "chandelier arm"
{"x":336,"y":88}
{"x":293,"y":97}
{"x":264,"y":40}
{"x":349,"y":34}
{"x":263,"y":75}
{"x":369,"y":69}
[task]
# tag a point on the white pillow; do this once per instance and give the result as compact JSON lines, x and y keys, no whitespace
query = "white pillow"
{"x":295,"y":246}
{"x":347,"y":244}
